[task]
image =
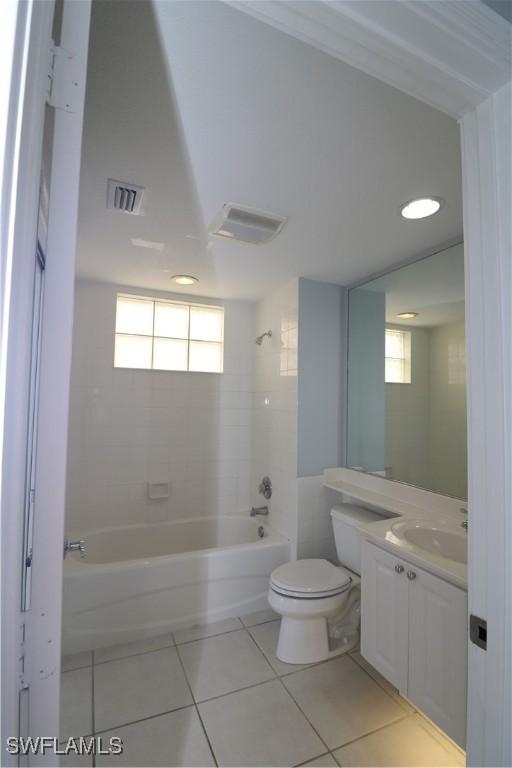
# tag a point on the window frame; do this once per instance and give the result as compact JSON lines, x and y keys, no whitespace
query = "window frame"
{"x":406,"y":360}
{"x":154,"y":300}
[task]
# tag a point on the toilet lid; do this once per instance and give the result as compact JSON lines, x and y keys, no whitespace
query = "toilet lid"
{"x":310,"y":577}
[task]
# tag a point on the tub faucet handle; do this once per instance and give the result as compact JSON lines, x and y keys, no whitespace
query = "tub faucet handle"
{"x":75,"y":546}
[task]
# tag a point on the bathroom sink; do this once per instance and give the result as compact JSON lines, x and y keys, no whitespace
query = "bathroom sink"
{"x":446,"y":543}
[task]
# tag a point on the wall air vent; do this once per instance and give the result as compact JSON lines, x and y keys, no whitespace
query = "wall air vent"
{"x":236,"y":222}
{"x":124,"y":197}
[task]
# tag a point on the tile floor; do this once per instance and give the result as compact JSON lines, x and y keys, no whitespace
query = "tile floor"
{"x":217,"y":695}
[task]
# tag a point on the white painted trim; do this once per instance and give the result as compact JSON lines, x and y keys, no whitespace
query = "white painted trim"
{"x":486,"y":151}
{"x":20,"y":185}
{"x":451,"y":55}
{"x":44,"y":632}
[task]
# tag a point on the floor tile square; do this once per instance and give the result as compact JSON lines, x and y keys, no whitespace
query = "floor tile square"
{"x":266,"y":636}
{"x":75,"y":761}
{"x":359,"y":659}
{"x":175,"y":739}
{"x":402,"y":744}
{"x":259,"y":726}
{"x":76,"y":661}
{"x":76,"y":703}
{"x":137,"y":687}
{"x":200,"y":631}
{"x":325,"y":761}
{"x":130,"y":649}
{"x":341,"y":700}
{"x":219,"y":665}
{"x":441,"y":737}
{"x":259,"y":617}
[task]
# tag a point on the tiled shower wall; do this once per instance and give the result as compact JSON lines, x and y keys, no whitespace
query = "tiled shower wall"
{"x":275,"y":408}
{"x":129,"y":427}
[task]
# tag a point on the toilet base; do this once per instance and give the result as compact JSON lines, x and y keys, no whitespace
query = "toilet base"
{"x":307,"y":642}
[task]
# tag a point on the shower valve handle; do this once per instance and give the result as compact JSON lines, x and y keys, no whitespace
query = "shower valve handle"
{"x":265,"y":487}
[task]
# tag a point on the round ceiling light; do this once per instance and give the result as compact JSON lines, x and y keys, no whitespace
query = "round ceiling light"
{"x":184,"y":279}
{"x":407,"y":315}
{"x":421,"y":208}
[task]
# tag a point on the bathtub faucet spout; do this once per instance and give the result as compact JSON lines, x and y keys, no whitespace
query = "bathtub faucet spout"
{"x":259,"y":511}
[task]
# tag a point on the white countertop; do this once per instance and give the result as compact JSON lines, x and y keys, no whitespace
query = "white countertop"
{"x":403,"y":503}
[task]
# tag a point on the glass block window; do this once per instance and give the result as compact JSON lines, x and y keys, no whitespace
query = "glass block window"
{"x":168,"y":335}
{"x":398,"y":356}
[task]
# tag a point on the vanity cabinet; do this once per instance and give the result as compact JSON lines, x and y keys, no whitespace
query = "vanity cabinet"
{"x":414,"y":632}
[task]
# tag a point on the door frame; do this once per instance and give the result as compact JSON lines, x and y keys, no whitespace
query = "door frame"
{"x":455,"y":57}
{"x":31,"y":640}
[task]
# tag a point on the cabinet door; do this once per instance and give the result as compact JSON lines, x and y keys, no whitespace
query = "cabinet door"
{"x":384,"y":632}
{"x":438,"y":651}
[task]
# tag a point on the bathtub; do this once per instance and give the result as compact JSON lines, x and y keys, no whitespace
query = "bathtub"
{"x":140,"y":581}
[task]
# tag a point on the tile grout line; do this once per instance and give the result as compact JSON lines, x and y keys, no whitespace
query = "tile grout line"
{"x":299,"y":765}
{"x":359,"y":666}
{"x":304,"y":715}
{"x":276,"y":673}
{"x":207,"y":637}
{"x":143,"y":719}
{"x":210,"y":745}
{"x":131,"y":655}
{"x":372,"y":732}
{"x":329,"y":749}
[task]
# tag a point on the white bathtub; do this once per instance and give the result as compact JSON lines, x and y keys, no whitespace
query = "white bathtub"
{"x":143,"y":580}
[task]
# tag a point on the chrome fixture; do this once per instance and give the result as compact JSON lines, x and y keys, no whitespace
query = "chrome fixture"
{"x":261,"y":531}
{"x":259,"y":511}
{"x":265,"y":487}
{"x":464,"y":525}
{"x":411,"y":575}
{"x":260,"y":338}
{"x":75,"y":546}
{"x":399,"y":568}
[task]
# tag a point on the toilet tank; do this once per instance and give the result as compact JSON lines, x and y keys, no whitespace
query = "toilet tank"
{"x":347,"y":520}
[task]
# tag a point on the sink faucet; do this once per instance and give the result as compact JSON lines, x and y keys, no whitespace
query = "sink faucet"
{"x":464,"y":525}
{"x":259,"y":511}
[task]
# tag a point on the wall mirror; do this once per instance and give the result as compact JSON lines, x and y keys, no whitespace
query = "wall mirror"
{"x":407,"y":375}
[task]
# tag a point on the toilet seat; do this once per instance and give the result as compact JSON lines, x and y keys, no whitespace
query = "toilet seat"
{"x":310,"y":579}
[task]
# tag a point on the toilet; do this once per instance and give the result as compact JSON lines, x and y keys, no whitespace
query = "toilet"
{"x":319,"y":603}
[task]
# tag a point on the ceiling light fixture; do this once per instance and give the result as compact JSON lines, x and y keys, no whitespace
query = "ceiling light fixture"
{"x":185,"y":279}
{"x":408,"y":315}
{"x":421,"y":208}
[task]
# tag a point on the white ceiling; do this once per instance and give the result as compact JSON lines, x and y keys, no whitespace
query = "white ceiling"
{"x":227,"y":108}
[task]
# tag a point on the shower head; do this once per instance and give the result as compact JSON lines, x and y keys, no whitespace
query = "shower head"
{"x":259,"y":340}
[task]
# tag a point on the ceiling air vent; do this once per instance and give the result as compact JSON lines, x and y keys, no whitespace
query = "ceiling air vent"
{"x":124,"y":197}
{"x":236,"y":222}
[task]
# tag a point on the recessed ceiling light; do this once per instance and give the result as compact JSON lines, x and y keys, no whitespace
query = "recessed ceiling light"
{"x":184,"y":279}
{"x":421,"y":208}
{"x":408,"y":315}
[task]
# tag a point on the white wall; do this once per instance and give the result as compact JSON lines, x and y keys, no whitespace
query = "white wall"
{"x":128,"y":426}
{"x":275,"y":408}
